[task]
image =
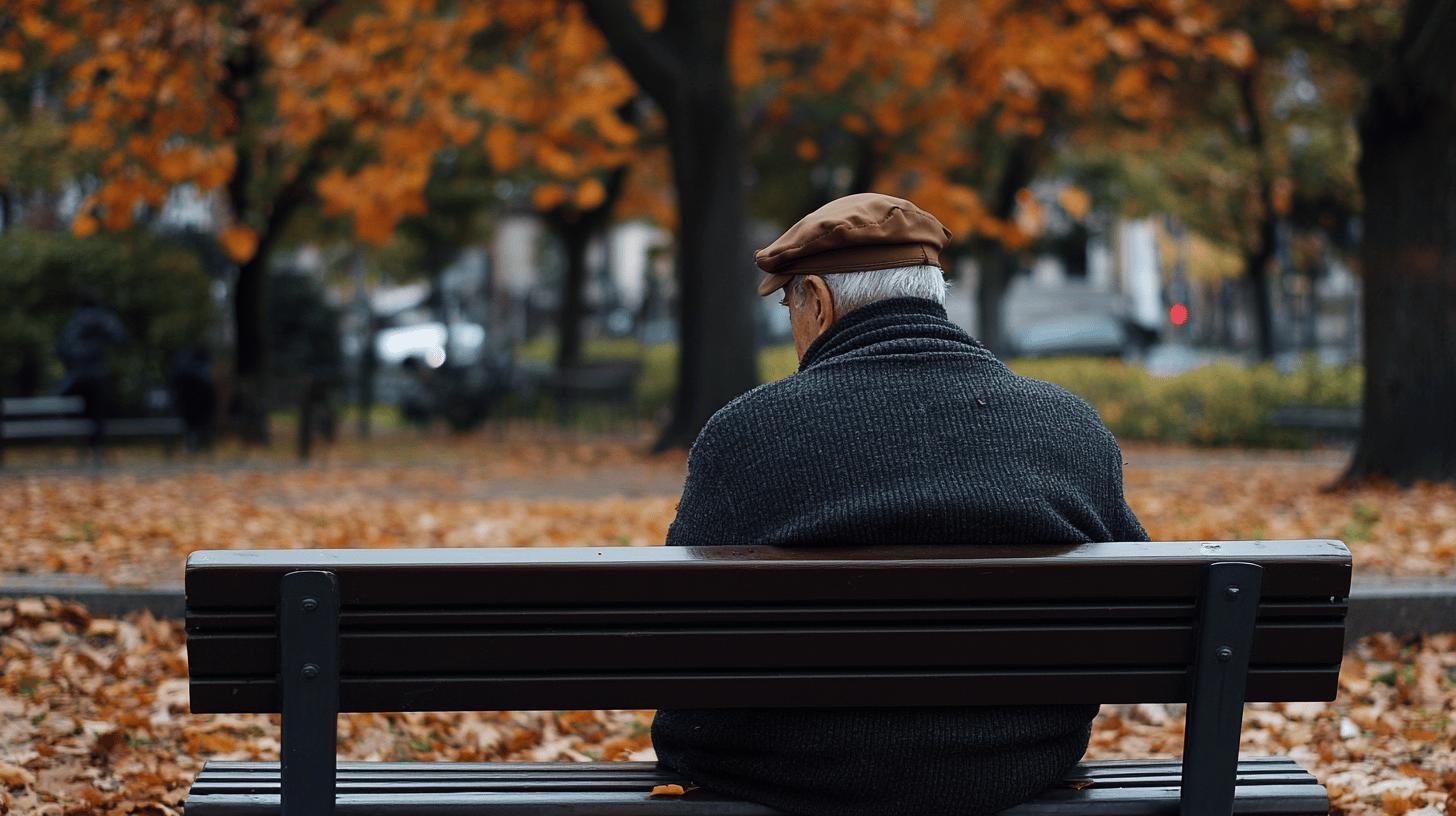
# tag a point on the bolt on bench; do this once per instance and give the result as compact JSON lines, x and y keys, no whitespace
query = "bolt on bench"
{"x":310,"y":633}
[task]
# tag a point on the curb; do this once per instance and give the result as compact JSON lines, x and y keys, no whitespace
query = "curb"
{"x":1412,"y":606}
{"x":100,"y":599}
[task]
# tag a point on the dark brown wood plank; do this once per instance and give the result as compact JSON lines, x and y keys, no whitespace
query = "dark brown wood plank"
{"x":764,"y":689}
{"x":670,"y":575}
{"x":692,"y":648}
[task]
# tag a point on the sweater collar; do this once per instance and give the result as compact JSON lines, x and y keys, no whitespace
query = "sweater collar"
{"x":889,"y":326}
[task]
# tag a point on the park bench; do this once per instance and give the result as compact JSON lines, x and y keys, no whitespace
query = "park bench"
{"x":59,"y":419}
{"x":310,"y":633}
{"x":606,"y":382}
{"x":1320,"y":423}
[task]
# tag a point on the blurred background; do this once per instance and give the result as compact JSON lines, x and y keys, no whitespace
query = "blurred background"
{"x":290,"y":222}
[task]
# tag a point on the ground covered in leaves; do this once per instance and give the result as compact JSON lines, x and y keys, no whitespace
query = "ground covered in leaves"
{"x":93,"y":720}
{"x":133,"y":522}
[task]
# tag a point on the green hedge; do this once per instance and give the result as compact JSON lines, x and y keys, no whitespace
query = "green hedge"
{"x":1222,"y":404}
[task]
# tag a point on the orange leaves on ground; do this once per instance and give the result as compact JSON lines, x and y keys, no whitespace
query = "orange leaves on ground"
{"x":94,"y":719}
{"x":135,"y":527}
{"x":1377,"y":748}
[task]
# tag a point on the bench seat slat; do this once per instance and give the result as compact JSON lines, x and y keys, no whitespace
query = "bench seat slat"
{"x":1265,"y":785}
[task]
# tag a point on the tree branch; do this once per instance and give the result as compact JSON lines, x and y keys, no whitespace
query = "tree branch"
{"x":645,"y":56}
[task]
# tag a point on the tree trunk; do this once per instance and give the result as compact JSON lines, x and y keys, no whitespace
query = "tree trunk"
{"x":1256,"y":260}
{"x":996,"y":264}
{"x":1408,"y":256}
{"x":993,"y":278}
{"x":1256,"y":272}
{"x":716,"y":359}
{"x":684,"y":67}
{"x":574,"y":239}
{"x":250,"y":395}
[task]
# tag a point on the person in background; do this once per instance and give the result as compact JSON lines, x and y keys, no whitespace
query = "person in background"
{"x":194,"y":395}
{"x":84,"y":348}
{"x":898,"y":428}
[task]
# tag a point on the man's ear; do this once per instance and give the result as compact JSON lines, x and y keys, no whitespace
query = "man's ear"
{"x":823,"y":301}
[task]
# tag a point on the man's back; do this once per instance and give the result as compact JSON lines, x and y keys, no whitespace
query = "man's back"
{"x":898,"y":429}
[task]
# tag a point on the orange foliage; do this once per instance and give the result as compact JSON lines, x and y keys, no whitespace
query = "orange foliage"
{"x":931,"y":87}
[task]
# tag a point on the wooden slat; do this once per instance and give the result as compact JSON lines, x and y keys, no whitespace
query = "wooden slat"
{"x":694,"y":648}
{"x":362,"y":618}
{"x":41,"y":406}
{"x":1265,"y":785}
{"x":733,"y":574}
{"x":25,"y":429}
{"x":763,"y":689}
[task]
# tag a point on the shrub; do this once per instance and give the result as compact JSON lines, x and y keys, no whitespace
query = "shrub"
{"x":155,"y":286}
{"x":1223,"y":404}
{"x":1218,"y":405}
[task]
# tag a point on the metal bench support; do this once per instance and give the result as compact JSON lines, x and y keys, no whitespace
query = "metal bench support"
{"x":308,"y":680}
{"x":1228,"y":610}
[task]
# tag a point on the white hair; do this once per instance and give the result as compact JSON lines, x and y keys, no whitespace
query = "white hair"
{"x":852,"y":290}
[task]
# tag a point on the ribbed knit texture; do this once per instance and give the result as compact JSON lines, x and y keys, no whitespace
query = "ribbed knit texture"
{"x":897,"y":429}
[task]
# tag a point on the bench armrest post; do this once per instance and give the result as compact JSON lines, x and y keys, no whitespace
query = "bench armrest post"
{"x":308,"y":682}
{"x":1227,"y":613}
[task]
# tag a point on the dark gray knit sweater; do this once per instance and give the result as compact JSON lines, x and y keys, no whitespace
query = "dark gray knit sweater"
{"x":897,"y":428}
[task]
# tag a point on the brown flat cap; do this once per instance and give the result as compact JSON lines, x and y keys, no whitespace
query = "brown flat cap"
{"x":857,"y":233}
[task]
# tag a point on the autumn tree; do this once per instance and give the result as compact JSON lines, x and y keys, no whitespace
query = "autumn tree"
{"x":1408,"y":255}
{"x":683,"y":65}
{"x":956,"y":105}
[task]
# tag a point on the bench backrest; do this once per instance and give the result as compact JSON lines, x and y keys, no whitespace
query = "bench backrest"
{"x":650,"y":627}
{"x":26,"y":418}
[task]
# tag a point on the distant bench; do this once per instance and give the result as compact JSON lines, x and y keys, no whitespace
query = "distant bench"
{"x":310,"y":633}
{"x":611,"y":382}
{"x":1321,"y":421}
{"x":45,"y":420}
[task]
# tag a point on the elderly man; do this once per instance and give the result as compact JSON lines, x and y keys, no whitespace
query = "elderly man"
{"x":898,"y":428}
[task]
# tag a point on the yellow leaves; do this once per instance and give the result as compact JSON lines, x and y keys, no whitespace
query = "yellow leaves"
{"x":10,"y":60}
{"x":1233,"y":47}
{"x":548,"y":196}
{"x":500,"y":146}
{"x":1075,"y":202}
{"x":84,"y":225}
{"x":1282,"y":195}
{"x":239,"y":242}
{"x":1124,"y":43}
{"x":589,"y":195}
{"x":89,"y":134}
{"x":611,"y":128}
{"x":179,"y":164}
{"x":555,"y":161}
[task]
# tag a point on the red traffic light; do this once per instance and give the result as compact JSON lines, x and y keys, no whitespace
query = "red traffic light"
{"x":1178,"y":314}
